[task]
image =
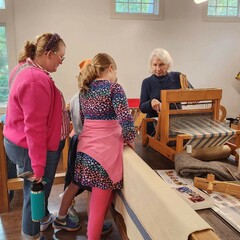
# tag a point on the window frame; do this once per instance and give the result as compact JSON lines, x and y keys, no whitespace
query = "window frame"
{"x":218,"y":18}
{"x":136,"y":16}
{"x":7,"y":21}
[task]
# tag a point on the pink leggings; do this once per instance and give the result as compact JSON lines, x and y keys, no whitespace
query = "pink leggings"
{"x":99,"y":205}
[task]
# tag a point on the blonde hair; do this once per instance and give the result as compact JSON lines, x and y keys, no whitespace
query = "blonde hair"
{"x":94,"y":70}
{"x":163,"y":55}
{"x":45,"y":42}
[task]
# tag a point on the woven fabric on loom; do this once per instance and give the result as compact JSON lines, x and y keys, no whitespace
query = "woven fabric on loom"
{"x":204,"y":131}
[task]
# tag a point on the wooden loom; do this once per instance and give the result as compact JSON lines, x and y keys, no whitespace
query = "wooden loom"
{"x":160,"y":141}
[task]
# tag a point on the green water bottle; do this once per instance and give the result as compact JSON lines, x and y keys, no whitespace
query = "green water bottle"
{"x":37,"y":202}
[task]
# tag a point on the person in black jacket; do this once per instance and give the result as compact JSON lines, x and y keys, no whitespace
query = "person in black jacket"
{"x":162,"y":78}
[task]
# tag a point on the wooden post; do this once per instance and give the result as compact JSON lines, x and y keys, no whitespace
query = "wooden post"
{"x":4,"y":198}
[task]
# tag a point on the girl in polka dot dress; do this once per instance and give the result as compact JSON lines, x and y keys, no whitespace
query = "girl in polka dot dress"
{"x":107,"y":126}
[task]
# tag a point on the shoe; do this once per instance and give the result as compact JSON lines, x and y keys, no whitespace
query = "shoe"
{"x":72,"y":213}
{"x":107,"y":228}
{"x":45,"y":225}
{"x":42,"y":238}
{"x":61,"y":195}
{"x":65,"y":224}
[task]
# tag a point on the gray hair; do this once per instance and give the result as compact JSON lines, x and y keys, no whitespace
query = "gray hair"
{"x":163,"y":55}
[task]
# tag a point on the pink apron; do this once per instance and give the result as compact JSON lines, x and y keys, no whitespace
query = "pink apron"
{"x":103,"y":141}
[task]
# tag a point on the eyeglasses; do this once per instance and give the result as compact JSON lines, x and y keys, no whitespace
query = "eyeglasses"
{"x":62,"y":58}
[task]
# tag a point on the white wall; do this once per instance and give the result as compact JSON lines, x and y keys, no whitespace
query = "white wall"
{"x":207,"y":52}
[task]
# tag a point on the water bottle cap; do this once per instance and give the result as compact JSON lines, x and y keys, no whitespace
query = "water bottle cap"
{"x":37,"y":186}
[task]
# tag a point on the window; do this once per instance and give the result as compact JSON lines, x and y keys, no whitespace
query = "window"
{"x":222,"y":10}
{"x":7,"y":50}
{"x":137,"y":9}
{"x":3,"y":67}
{"x":2,"y":4}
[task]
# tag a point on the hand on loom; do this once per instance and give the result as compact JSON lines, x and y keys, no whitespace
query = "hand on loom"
{"x":156,"y":105}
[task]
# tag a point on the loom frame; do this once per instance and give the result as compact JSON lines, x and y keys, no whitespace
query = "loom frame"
{"x":159,"y":141}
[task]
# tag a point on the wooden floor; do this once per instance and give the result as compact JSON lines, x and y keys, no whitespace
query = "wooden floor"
{"x":10,"y":223}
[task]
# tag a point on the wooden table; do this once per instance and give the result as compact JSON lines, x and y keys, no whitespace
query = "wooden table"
{"x":156,"y":161}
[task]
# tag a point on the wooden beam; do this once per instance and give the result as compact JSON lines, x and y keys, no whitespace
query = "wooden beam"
{"x":17,"y":183}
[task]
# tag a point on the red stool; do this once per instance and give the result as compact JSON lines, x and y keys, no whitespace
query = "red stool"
{"x":133,"y":104}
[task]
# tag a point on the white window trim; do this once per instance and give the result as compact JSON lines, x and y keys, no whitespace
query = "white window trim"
{"x":113,"y":13}
{"x":217,"y":18}
{"x":7,"y":20}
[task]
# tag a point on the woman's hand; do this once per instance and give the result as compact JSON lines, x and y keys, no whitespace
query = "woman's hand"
{"x":156,"y":105}
{"x":36,"y":179}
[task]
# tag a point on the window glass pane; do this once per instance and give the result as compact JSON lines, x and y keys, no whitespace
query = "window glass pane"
{"x":3,"y":67}
{"x":122,"y":7}
{"x":232,"y":3}
{"x":232,"y":11}
{"x":212,"y":2}
{"x":148,"y":1}
{"x":221,"y":11}
{"x":2,"y":4}
{"x":135,"y":8}
{"x":147,"y":8}
{"x":211,"y":11}
{"x":222,"y":2}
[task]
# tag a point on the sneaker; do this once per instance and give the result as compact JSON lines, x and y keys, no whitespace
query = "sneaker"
{"x":65,"y":224}
{"x":61,"y":195}
{"x":42,"y":238}
{"x":44,"y":225}
{"x":72,"y":213}
{"x":107,"y":228}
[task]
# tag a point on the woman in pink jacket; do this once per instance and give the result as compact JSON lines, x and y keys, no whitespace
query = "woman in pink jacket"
{"x":36,"y":123}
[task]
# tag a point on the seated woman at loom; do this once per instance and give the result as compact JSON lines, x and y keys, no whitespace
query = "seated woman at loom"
{"x":161,"y":79}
